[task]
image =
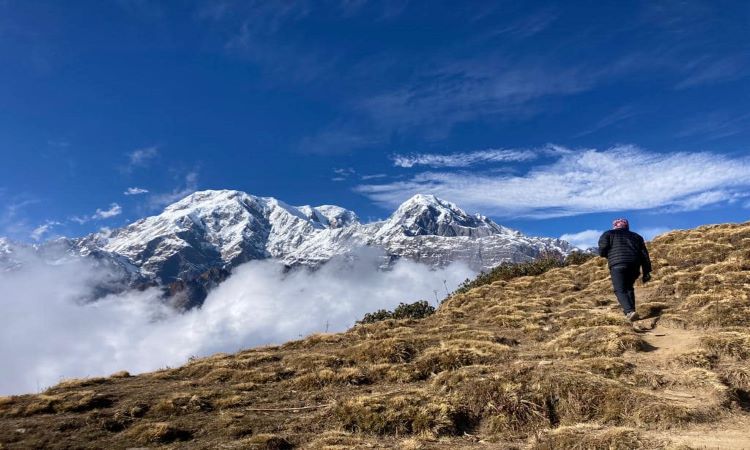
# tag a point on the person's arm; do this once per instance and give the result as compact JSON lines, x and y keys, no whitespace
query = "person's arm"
{"x":645,"y":260}
{"x":604,"y":244}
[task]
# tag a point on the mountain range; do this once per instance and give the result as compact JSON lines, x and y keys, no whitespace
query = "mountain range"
{"x":194,"y":243}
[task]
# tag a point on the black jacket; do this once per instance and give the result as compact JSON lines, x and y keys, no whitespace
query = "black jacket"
{"x":624,"y":247}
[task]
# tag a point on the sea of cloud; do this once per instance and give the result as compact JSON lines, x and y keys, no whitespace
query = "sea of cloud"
{"x":49,"y":330}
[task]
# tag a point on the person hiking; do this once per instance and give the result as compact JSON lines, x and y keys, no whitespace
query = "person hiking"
{"x":626,"y":254}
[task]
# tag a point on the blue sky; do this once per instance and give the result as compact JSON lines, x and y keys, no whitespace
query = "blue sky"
{"x":551,"y":117}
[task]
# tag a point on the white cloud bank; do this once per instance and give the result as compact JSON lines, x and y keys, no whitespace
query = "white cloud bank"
{"x":586,"y":181}
{"x":47,"y":333}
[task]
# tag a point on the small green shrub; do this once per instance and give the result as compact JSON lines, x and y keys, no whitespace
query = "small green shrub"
{"x":507,"y":271}
{"x":417,"y":310}
{"x":577,"y":258}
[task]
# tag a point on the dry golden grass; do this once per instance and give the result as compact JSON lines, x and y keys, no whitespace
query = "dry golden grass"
{"x":728,"y":344}
{"x":591,"y":437}
{"x":158,"y":433}
{"x":540,"y":362}
{"x":602,"y":340}
{"x":402,"y":413}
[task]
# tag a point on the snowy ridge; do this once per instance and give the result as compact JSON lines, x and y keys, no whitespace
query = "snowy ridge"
{"x":429,"y":215}
{"x":201,"y":237}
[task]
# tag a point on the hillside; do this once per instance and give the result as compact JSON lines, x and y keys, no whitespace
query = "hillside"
{"x":535,"y":362}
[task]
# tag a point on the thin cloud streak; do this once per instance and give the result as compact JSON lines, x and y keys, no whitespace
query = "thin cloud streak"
{"x":586,"y":181}
{"x":140,"y":158}
{"x":465,"y":159}
{"x":373,"y":176}
{"x":706,"y":71}
{"x":113,"y":210}
{"x":135,"y":191}
{"x":39,"y":232}
{"x":14,"y":217}
{"x":189,"y":186}
{"x":461,"y":91}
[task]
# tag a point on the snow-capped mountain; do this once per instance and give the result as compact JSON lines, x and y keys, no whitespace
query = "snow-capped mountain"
{"x":427,"y":215}
{"x":194,"y":243}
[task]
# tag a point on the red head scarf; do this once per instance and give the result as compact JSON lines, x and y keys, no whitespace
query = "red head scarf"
{"x":620,"y":224}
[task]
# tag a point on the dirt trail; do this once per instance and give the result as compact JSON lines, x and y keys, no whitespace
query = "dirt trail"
{"x":667,"y":344}
{"x":729,"y":434}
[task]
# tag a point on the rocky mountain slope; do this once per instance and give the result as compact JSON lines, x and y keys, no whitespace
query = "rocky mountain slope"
{"x":195,"y":242}
{"x":539,"y":362}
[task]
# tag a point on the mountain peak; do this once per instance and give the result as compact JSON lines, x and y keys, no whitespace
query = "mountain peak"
{"x":420,"y":202}
{"x":426,"y":214}
{"x":427,"y":200}
{"x":331,"y":216}
{"x":207,"y":197}
{"x":424,"y":198}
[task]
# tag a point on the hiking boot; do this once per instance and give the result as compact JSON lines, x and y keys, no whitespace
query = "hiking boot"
{"x":633,"y":316}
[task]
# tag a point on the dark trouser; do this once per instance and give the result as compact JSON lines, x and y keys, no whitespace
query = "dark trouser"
{"x":623,"y":278}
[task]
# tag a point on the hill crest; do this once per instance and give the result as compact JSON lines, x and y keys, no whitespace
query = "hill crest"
{"x":534,"y":362}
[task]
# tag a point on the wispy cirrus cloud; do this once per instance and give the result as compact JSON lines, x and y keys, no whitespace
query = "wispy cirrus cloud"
{"x":433,"y":102}
{"x":39,"y":232}
{"x":80,"y":220}
{"x":135,"y":191}
{"x":345,"y":139}
{"x":465,"y":159}
{"x":586,"y":181}
{"x":343,"y":173}
{"x":113,"y":210}
{"x":715,"y":125}
{"x":140,"y":158}
{"x":266,"y":33}
{"x":346,"y":173}
{"x":373,"y":176}
{"x":14,"y":218}
{"x":620,"y":114}
{"x":188,"y":185}
{"x":460,"y":91}
{"x":708,"y":70}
